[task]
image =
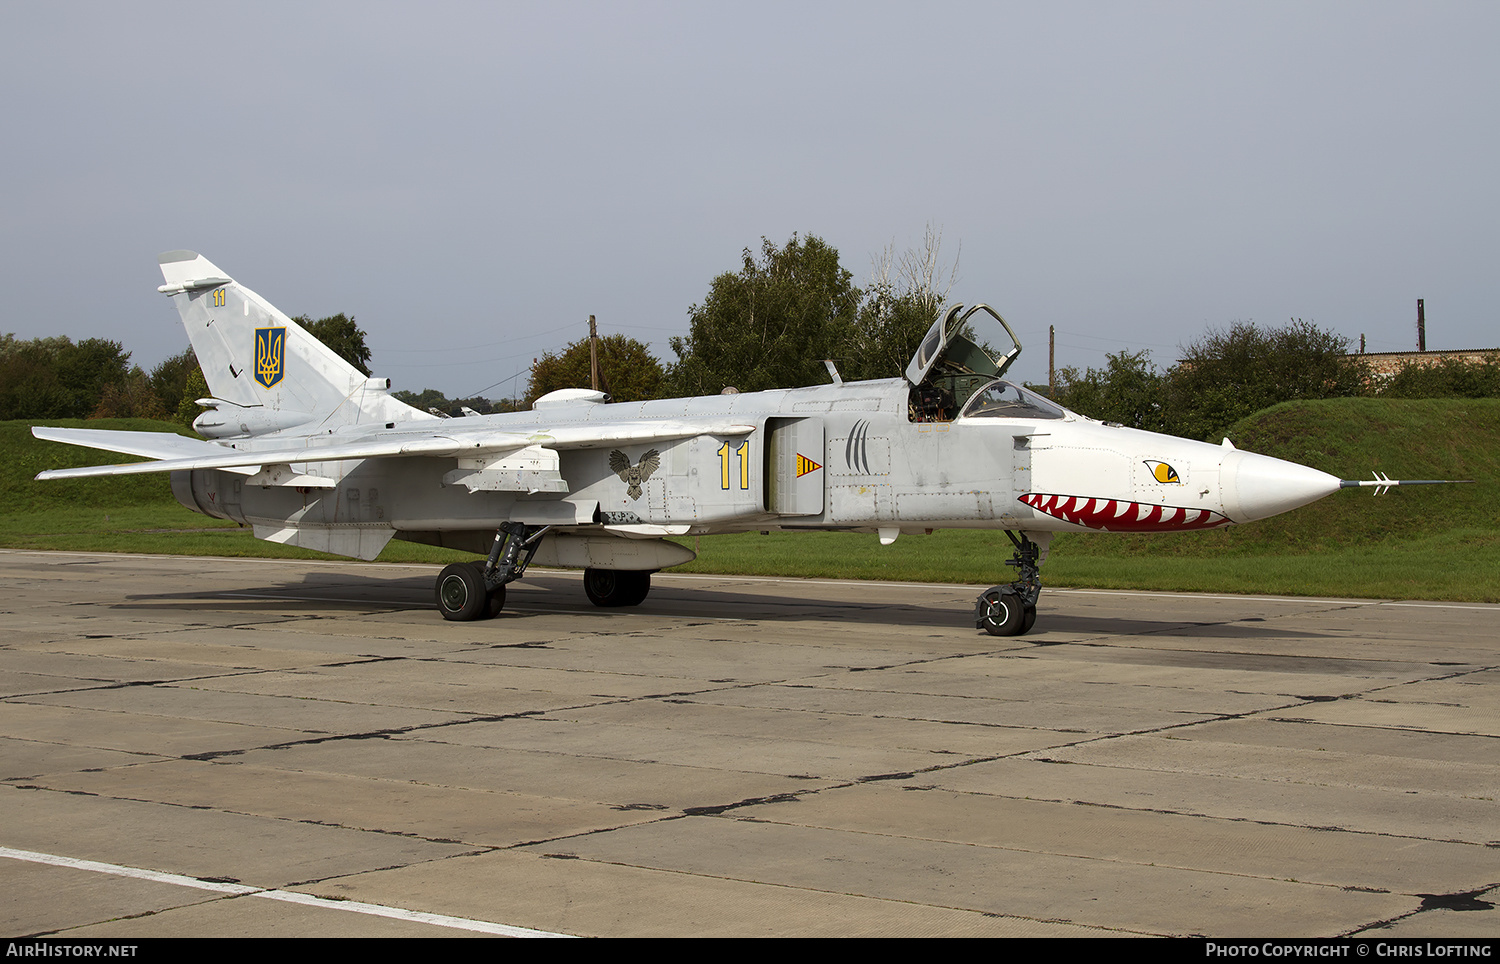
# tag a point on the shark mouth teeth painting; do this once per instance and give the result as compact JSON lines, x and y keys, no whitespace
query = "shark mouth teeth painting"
{"x":1119,"y":515}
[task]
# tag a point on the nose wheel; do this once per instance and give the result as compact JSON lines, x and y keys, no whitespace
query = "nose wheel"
{"x":1011,"y":610}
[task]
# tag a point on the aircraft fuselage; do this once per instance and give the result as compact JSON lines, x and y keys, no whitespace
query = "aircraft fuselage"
{"x":844,"y":456}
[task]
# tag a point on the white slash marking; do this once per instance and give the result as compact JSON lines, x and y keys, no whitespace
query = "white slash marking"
{"x":291,"y":897}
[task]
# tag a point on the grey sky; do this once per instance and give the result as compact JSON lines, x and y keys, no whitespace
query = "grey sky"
{"x":471,"y":181}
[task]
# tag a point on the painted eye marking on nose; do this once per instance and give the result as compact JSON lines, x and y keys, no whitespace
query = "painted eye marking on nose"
{"x":1163,"y":472}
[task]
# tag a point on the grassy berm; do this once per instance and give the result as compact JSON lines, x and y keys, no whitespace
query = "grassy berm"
{"x":1428,"y":542}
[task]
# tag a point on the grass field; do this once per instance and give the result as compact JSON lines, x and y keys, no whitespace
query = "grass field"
{"x":1428,"y":543}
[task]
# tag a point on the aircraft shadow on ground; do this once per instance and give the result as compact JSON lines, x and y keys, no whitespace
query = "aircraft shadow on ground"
{"x":545,"y":595}
{"x":549,"y":593}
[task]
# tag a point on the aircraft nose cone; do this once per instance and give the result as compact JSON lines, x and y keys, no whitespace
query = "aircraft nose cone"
{"x":1258,"y":486}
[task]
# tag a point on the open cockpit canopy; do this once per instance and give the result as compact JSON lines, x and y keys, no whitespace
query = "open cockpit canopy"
{"x":956,"y":360}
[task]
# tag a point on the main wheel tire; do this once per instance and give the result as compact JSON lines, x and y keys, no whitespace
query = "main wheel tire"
{"x":494,"y":598}
{"x":1029,"y":620}
{"x":1001,"y":612}
{"x":460,"y":593}
{"x":616,"y":587}
{"x":495,"y":601}
{"x":640,"y":587}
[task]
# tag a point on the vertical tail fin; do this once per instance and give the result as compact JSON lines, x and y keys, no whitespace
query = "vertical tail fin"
{"x":265,"y":372}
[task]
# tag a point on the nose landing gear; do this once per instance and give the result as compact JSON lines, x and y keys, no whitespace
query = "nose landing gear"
{"x":1010,"y":610}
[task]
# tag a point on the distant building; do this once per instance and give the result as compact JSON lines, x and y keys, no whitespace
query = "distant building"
{"x":1381,"y":367}
{"x":1384,"y":364}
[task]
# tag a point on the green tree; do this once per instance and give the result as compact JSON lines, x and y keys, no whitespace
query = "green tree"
{"x":628,"y":370}
{"x":478,"y":404}
{"x":28,"y":379}
{"x":169,"y":379}
{"x":131,"y":397}
{"x":890,"y":326}
{"x":432,"y":400}
{"x":194,"y":387}
{"x":1127,"y":391}
{"x":427,"y":400}
{"x":771,"y":324}
{"x":340,"y":333}
{"x":56,"y":378}
{"x":905,"y":295}
{"x":1228,"y":375}
{"x":87,"y":368}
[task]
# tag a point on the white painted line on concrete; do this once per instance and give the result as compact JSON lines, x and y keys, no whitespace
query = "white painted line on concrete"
{"x":1286,"y":599}
{"x":155,"y":876}
{"x":1430,"y":605}
{"x":288,"y":896}
{"x":397,"y":913}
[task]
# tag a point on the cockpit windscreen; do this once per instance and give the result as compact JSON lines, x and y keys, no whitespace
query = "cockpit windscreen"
{"x":1002,"y":399}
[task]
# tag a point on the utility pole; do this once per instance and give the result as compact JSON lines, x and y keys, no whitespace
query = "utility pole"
{"x":1421,"y":326}
{"x":1052,"y":361}
{"x":593,"y":355}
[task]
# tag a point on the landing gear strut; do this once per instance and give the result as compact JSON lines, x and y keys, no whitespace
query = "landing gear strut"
{"x":475,"y":590}
{"x":1011,"y":610}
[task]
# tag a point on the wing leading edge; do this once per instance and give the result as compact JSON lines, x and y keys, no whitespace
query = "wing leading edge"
{"x":174,"y":453}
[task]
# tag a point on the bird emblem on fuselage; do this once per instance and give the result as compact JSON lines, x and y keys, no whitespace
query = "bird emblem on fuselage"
{"x":634,"y":476}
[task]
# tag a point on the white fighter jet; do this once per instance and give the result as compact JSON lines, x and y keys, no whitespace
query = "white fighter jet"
{"x":309,"y":452}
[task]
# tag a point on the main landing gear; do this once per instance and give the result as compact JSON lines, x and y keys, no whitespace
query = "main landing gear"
{"x":476,"y":590}
{"x":1011,"y":610}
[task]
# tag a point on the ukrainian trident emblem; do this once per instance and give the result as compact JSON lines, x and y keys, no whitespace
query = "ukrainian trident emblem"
{"x":270,"y":349}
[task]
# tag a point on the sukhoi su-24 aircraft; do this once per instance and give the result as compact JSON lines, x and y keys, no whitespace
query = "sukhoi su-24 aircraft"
{"x":310,"y":452}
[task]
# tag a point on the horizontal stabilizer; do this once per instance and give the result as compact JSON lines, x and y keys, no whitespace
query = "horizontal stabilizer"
{"x":189,"y":271}
{"x":156,"y":445}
